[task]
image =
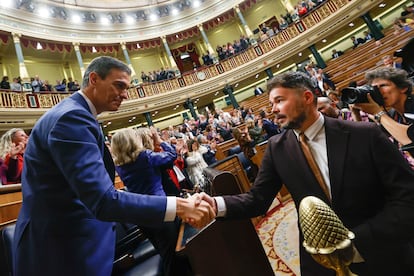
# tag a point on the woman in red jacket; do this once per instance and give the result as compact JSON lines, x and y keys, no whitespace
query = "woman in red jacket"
{"x":12,"y":146}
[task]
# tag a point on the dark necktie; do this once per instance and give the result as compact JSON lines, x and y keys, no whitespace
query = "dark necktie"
{"x":313,"y":165}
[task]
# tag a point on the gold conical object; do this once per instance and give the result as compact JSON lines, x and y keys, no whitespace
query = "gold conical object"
{"x":325,"y":236}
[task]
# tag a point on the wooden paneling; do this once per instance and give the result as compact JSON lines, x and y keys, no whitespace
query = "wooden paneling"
{"x":10,"y":203}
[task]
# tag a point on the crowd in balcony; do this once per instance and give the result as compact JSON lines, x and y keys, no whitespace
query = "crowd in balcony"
{"x":157,"y":75}
{"x":37,"y":85}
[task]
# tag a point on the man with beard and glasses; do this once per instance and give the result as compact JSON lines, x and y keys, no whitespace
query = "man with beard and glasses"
{"x":368,"y":184}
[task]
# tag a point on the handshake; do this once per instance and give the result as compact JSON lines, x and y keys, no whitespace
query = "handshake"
{"x":197,"y":210}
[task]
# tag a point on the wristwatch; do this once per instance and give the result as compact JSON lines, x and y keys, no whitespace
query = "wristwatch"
{"x":378,"y":116}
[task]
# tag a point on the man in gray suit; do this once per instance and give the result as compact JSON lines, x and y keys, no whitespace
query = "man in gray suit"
{"x":69,"y":201}
{"x":370,"y":184}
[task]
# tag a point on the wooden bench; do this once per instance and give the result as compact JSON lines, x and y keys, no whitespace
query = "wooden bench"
{"x":223,"y":148}
{"x":10,"y":203}
{"x":233,"y":165}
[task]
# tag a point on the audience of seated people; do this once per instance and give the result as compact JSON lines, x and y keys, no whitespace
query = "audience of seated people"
{"x":157,"y":75}
{"x":229,"y":49}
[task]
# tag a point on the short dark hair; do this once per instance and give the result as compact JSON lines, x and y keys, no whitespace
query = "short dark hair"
{"x":294,"y":80}
{"x":102,"y":66}
{"x":398,"y":76}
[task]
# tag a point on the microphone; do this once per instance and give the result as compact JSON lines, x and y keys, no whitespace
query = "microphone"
{"x":325,"y":237}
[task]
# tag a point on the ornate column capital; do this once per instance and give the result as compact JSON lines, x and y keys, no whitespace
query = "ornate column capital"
{"x":16,"y":37}
{"x":76,"y":45}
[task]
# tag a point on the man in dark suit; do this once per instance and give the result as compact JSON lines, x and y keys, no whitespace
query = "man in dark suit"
{"x":258,"y":91}
{"x":369,"y":183}
{"x":69,"y":202}
{"x":336,"y":53}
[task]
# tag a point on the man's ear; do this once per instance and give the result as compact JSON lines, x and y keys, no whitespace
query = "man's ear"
{"x":309,"y":96}
{"x":93,"y":78}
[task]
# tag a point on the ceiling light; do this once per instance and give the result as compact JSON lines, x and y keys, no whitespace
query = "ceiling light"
{"x":196,"y":4}
{"x":8,"y":4}
{"x":382,"y":5}
{"x":324,"y":40}
{"x":104,"y":20}
{"x":351,"y":24}
{"x":174,"y":11}
{"x":39,"y":46}
{"x":257,"y":76}
{"x":129,"y":20}
{"x":94,"y":49}
{"x":300,"y":54}
{"x":43,"y":12}
{"x":76,"y":18}
{"x":153,"y":17}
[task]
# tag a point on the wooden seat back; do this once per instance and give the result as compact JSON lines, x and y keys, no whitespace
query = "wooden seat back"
{"x":10,"y":203}
{"x":223,"y":148}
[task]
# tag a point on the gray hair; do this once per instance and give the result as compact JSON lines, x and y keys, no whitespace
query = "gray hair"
{"x":398,"y":76}
{"x":102,"y":66}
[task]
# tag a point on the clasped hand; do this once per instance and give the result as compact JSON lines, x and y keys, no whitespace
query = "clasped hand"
{"x":197,"y":210}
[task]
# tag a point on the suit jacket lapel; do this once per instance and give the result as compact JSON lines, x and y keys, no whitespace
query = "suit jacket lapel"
{"x":337,"y":146}
{"x":295,"y":169}
{"x":106,"y":155}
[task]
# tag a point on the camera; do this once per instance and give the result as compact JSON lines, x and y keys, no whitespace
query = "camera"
{"x":351,"y":95}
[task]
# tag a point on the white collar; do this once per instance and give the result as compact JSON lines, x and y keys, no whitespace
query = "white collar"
{"x":90,"y":104}
{"x":312,"y":130}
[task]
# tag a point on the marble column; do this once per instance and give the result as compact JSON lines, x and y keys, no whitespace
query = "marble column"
{"x":79,"y":57}
{"x":269,"y":73}
{"x":134,"y":77}
{"x":249,"y":32}
{"x":189,"y":105}
{"x":207,"y":42}
{"x":173,"y":64}
{"x":24,"y":75}
{"x":228,"y":90}
{"x":148,"y":118}
{"x":319,"y":60}
{"x":373,"y":28}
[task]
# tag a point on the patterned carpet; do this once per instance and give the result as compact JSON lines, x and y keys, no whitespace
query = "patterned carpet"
{"x":278,"y":232}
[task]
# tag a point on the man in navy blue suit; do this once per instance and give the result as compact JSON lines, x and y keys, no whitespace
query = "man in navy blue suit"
{"x":65,"y":226}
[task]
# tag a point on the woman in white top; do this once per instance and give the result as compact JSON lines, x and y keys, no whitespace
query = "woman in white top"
{"x":195,"y":163}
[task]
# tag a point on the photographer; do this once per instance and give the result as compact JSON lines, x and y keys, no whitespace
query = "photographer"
{"x":396,"y":114}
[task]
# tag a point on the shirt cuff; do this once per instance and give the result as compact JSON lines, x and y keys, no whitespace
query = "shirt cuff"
{"x":221,"y":206}
{"x":171,"y":209}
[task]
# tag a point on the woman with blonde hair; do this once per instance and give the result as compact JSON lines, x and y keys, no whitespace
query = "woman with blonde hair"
{"x":12,"y":147}
{"x":136,"y":162}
